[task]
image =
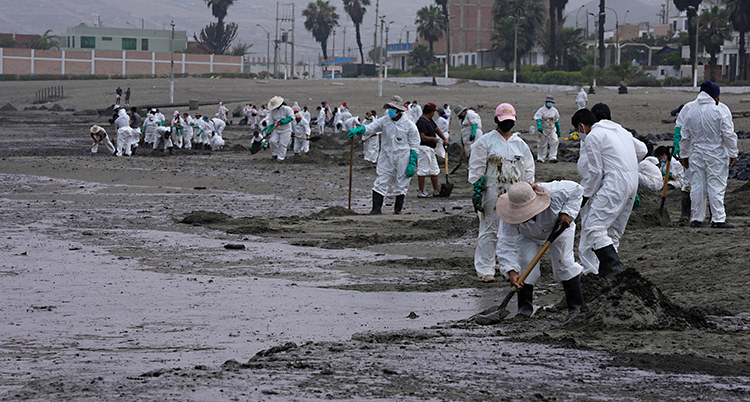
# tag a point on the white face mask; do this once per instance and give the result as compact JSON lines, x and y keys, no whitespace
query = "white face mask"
{"x":581,"y":133}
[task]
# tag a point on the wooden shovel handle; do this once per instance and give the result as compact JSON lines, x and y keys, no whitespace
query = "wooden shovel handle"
{"x":552,"y":236}
{"x":666,"y":174}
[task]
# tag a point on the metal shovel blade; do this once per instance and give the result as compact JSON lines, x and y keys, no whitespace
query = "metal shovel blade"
{"x":446,"y":189}
{"x":255,"y":147}
{"x":496,"y":316}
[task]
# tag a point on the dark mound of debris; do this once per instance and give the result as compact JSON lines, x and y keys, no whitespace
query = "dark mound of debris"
{"x":332,"y":212}
{"x":633,"y":302}
{"x":204,"y":217}
{"x":741,"y":171}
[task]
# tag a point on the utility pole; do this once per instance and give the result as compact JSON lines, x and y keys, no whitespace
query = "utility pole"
{"x":292,"y":17}
{"x":268,"y":49}
{"x":380,"y":57}
{"x":171,"y":69}
{"x":447,"y":43}
{"x":333,"y":56}
{"x":276,"y":45}
{"x":375,"y":35}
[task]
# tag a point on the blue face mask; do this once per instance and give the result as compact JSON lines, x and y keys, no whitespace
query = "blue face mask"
{"x":549,"y":104}
{"x":392,"y":113}
{"x":664,"y":161}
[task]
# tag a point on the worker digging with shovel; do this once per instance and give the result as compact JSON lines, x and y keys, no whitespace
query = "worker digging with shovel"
{"x":534,"y":216}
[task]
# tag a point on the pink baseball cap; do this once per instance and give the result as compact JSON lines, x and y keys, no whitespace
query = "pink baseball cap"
{"x":505,"y":111}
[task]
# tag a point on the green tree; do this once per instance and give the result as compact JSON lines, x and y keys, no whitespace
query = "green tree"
{"x":43,"y":42}
{"x":219,"y":9}
{"x":420,"y":58}
{"x":739,"y":16}
{"x":320,"y":19}
{"x":240,"y":48}
{"x":685,"y":5}
{"x":215,"y":38}
{"x":356,"y":10}
{"x":566,"y":46}
{"x":530,"y":17}
{"x":625,"y":71}
{"x":556,"y":8}
{"x":714,"y":30}
{"x":430,"y":24}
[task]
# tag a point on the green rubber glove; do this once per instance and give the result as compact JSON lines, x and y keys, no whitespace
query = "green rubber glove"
{"x":557,"y":126}
{"x":637,"y":201}
{"x":676,"y":141}
{"x":287,"y":120}
{"x":539,"y":125}
{"x":473,"y":132}
{"x":412,"y":168}
{"x":670,"y":175}
{"x":356,"y":131}
{"x":476,"y":198}
{"x":143,"y":130}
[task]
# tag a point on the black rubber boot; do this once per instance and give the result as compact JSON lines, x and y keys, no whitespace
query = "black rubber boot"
{"x":399,"y":204}
{"x":685,"y":214}
{"x":171,"y":152}
{"x":573,"y":295}
{"x":609,"y":262}
{"x":525,"y":299}
{"x":377,"y":203}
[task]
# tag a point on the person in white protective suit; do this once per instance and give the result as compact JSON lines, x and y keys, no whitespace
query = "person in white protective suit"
{"x":306,"y":114}
{"x":187,"y":131}
{"x":608,"y":165}
{"x":99,"y":135}
{"x":649,"y":175}
{"x":530,"y":213}
{"x":321,"y":121}
{"x":443,"y":123}
{"x":397,"y":161}
{"x":708,"y":149}
{"x":164,"y":139}
{"x":219,"y":126}
{"x":471,"y":127}
{"x":677,"y":177}
{"x":280,"y":117}
{"x":295,"y":107}
{"x":548,"y":127}
{"x":222,"y":113}
{"x":447,"y":109}
{"x":207,"y":131}
{"x":124,"y":133}
{"x":342,"y":116}
{"x":415,"y":111}
{"x":217,"y":139}
{"x":430,"y":138}
{"x":247,"y":111}
{"x":301,"y":132}
{"x":160,"y":118}
{"x":498,"y":160}
{"x":371,"y":143}
{"x":149,"y":128}
{"x":178,"y":125}
{"x":581,"y":99}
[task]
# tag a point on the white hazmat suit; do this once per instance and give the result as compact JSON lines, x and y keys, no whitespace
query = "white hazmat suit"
{"x":470,"y":119}
{"x":502,"y":162}
{"x":301,"y":130}
{"x":581,"y":99}
{"x":124,"y":133}
{"x":443,"y":123}
{"x":371,"y":143}
{"x":398,"y":138}
{"x":279,"y":140}
{"x":547,"y":139}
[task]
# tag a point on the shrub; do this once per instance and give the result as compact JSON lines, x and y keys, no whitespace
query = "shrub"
{"x":561,"y":78}
{"x":644,"y":82}
{"x":8,"y":77}
{"x":41,"y":77}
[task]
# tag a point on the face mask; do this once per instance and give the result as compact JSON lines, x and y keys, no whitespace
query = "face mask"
{"x":549,"y":104}
{"x":664,"y":161}
{"x":392,"y":113}
{"x":581,"y":133}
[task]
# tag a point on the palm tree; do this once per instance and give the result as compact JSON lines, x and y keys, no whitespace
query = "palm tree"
{"x":602,"y":20}
{"x":529,"y":14}
{"x":320,"y":19}
{"x":219,"y":10}
{"x":739,"y":16}
{"x":556,"y":8}
{"x":569,"y":45}
{"x":430,"y":24}
{"x":714,"y":30}
{"x":684,"y":5}
{"x":44,"y":42}
{"x":356,"y":10}
{"x":444,"y":6}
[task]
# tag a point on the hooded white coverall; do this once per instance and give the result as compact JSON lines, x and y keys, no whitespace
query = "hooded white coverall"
{"x":219,"y":126}
{"x":415,"y":112}
{"x":518,"y":244}
{"x":342,"y":117}
{"x":177,"y":137}
{"x":649,"y":175}
{"x":160,"y":117}
{"x":609,"y":169}
{"x":222,"y":113}
{"x":187,"y":133}
{"x":678,"y":172}
{"x":124,"y":133}
{"x":443,"y":123}
{"x":306,"y":115}
{"x":217,"y":140}
{"x":371,"y":144}
{"x":708,"y":141}
{"x":163,"y":138}
{"x":207,"y":128}
{"x":301,"y":129}
{"x":247,"y":111}
{"x":281,"y":136}
{"x":149,"y":128}
{"x":321,"y":121}
{"x":502,"y":162}
{"x":581,"y":99}
{"x":398,"y":138}
{"x":103,"y":138}
{"x":548,"y":141}
{"x":471,"y":118}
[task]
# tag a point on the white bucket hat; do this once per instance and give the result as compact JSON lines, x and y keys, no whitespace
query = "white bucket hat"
{"x":522,"y":202}
{"x":396,"y":103}
{"x":95,"y":129}
{"x":275,"y":102}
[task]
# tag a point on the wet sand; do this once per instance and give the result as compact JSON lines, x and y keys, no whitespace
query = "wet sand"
{"x":116,"y":283}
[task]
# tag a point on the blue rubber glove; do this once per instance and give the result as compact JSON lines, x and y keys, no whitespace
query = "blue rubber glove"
{"x":356,"y":131}
{"x":676,"y":141}
{"x":539,"y":125}
{"x":557,"y":126}
{"x":473,"y":132}
{"x":287,"y":120}
{"x":476,"y":199}
{"x":412,"y":168}
{"x":637,"y":201}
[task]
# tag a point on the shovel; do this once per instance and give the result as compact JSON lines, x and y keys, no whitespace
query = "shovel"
{"x":460,"y":158}
{"x":664,"y":219}
{"x":500,"y":312}
{"x":447,"y":187}
{"x":258,"y":144}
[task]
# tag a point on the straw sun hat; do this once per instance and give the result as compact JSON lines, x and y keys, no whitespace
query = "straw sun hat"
{"x":522,"y":202}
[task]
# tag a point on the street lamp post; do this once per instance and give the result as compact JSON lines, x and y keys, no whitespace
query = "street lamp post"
{"x":579,"y":10}
{"x":171,"y":69}
{"x":695,"y":53}
{"x":401,"y":33}
{"x":617,"y":35}
{"x":596,"y":35}
{"x":515,"y":49}
{"x":387,"y":28}
{"x":380,"y":58}
{"x":268,"y":48}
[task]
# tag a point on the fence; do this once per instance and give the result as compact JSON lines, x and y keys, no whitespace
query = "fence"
{"x":47,"y":94}
{"x":112,"y":62}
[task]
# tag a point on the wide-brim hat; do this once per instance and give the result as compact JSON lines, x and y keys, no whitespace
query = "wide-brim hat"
{"x":522,"y":202}
{"x":275,"y":102}
{"x":549,"y":98}
{"x":459,"y":109}
{"x":395,"y":103}
{"x":95,"y":129}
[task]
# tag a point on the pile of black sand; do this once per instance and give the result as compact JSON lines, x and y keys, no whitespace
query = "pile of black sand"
{"x":204,"y":217}
{"x":8,"y":108}
{"x":55,"y":108}
{"x":632,"y":302}
{"x":333,"y":212}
